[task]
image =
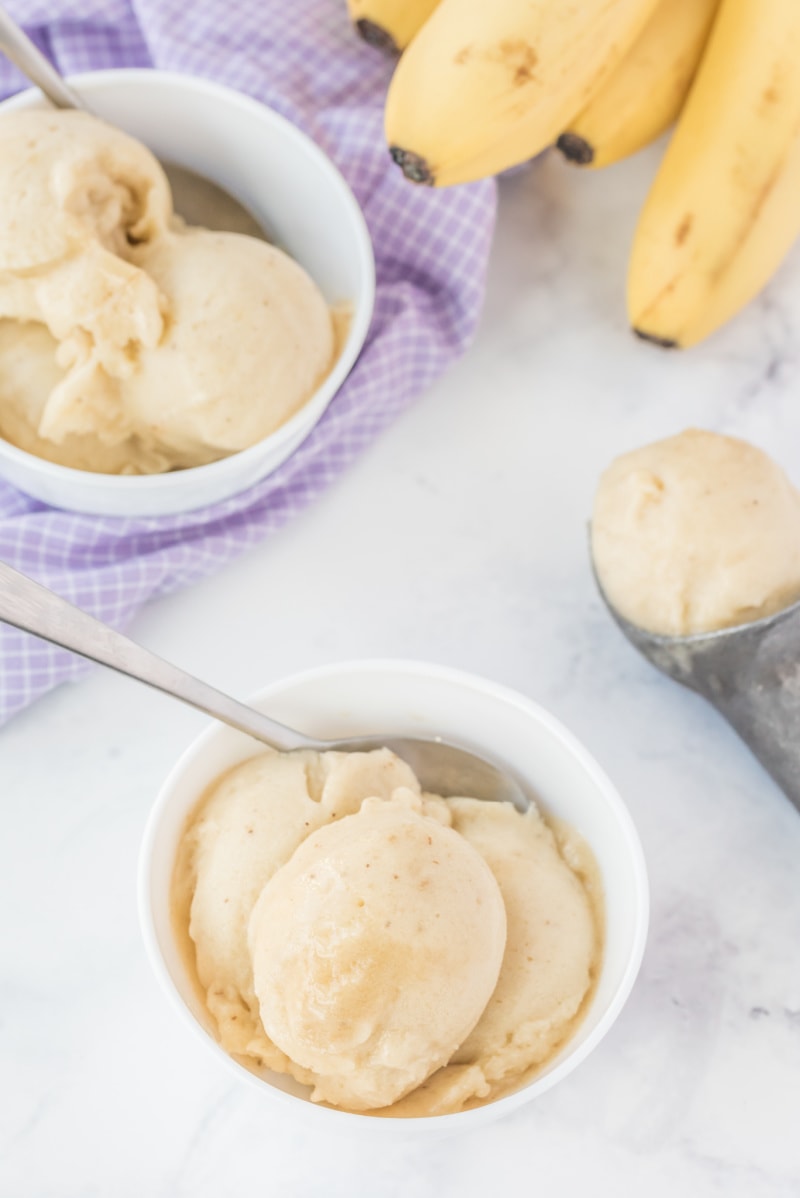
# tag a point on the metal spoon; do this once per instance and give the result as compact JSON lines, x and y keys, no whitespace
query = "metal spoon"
{"x":197,"y":199}
{"x":750,"y":673}
{"x":442,"y":767}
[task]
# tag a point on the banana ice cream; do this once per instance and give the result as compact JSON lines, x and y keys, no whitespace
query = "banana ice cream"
{"x":130,"y":343}
{"x":695,"y":533}
{"x":375,"y":950}
{"x":247,"y":322}
{"x":75,"y":195}
{"x":29,"y":375}
{"x":399,"y":953}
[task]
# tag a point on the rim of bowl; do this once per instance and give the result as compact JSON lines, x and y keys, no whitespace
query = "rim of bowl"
{"x":362,"y":317}
{"x":459,"y":1120}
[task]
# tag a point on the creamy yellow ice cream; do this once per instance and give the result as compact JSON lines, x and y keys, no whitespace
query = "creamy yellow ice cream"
{"x":171,"y":346}
{"x":375,"y":950}
{"x":29,"y":375}
{"x":247,"y":828}
{"x":395,"y":951}
{"x":249,"y":338}
{"x":695,"y":533}
{"x":75,"y":196}
{"x":550,"y":893}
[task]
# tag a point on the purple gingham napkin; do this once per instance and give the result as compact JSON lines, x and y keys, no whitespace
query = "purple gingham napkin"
{"x":431,"y":248}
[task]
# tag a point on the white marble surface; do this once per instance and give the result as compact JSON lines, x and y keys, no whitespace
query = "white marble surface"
{"x":461,"y":537}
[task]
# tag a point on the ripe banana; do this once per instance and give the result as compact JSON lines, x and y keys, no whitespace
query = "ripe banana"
{"x":645,"y":94}
{"x":486,"y":85}
{"x":724,"y":208}
{"x":389,"y":24}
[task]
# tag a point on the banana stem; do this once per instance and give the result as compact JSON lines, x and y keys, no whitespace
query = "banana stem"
{"x":413,"y":166}
{"x":375,"y":35}
{"x":575,"y":149}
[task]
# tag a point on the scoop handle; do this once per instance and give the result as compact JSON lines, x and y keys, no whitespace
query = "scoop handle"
{"x":751,"y":674}
{"x":18,"y":47}
{"x":34,"y":608}
{"x":770,"y":730}
{"x":756,"y":687}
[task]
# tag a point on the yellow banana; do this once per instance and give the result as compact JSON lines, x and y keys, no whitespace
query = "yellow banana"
{"x":389,"y":24}
{"x":487,"y":84}
{"x":725,"y":205}
{"x":645,"y":94}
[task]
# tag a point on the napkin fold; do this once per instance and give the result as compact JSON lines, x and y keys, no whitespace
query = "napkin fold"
{"x":431,"y":249}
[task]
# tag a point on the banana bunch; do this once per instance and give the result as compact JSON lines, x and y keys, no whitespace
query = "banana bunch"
{"x":483,"y":86}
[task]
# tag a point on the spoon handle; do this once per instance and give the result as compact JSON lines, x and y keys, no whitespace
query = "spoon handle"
{"x":18,"y":47}
{"x":33,"y":608}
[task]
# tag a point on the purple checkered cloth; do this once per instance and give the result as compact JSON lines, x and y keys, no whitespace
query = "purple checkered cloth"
{"x":303,"y":60}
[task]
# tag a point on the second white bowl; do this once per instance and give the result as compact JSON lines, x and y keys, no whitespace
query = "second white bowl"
{"x":294,"y":191}
{"x":425,"y":700}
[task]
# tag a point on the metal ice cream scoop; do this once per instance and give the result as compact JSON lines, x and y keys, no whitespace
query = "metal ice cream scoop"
{"x":196,"y":198}
{"x":442,"y":766}
{"x":750,"y":673}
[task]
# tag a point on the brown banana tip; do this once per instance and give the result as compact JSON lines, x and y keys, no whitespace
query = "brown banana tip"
{"x":377,"y":36}
{"x":575,"y":149}
{"x":663,"y":342}
{"x":413,"y":166}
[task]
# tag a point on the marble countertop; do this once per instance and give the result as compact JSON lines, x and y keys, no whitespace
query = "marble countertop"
{"x":459,"y":538}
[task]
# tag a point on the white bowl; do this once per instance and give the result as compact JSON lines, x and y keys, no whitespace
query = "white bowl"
{"x":412,"y":698}
{"x":295,"y":191}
